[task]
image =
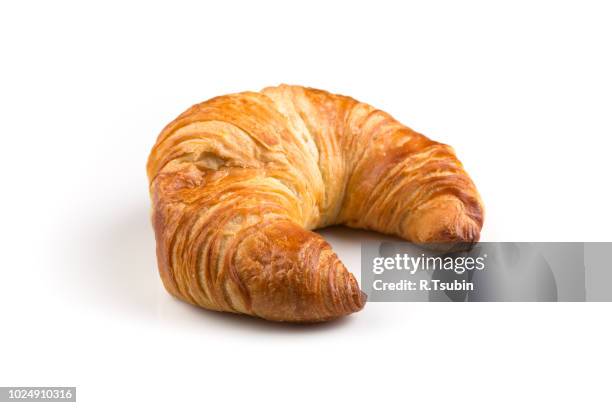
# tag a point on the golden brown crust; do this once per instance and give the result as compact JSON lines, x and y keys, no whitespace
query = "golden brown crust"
{"x":237,"y":183}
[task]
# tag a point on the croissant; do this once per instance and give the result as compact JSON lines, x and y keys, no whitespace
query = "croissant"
{"x":238,"y":182}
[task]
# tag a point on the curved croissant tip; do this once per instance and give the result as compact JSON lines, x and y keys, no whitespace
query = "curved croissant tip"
{"x":363,"y":298}
{"x":461,"y":238}
{"x":348,"y":298}
{"x":357,"y":302}
{"x":359,"y":299}
{"x":447,"y":223}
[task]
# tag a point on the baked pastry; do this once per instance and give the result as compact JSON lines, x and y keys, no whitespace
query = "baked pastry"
{"x":239,"y":181}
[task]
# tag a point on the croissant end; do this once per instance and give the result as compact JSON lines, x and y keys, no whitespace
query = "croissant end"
{"x":291,"y":274}
{"x":446,"y":223}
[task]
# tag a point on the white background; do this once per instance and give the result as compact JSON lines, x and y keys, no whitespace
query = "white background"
{"x":523,"y":91}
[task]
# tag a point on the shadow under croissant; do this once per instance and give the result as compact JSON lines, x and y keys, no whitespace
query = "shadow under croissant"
{"x":120,"y":274}
{"x":116,"y":271}
{"x":258,"y":324}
